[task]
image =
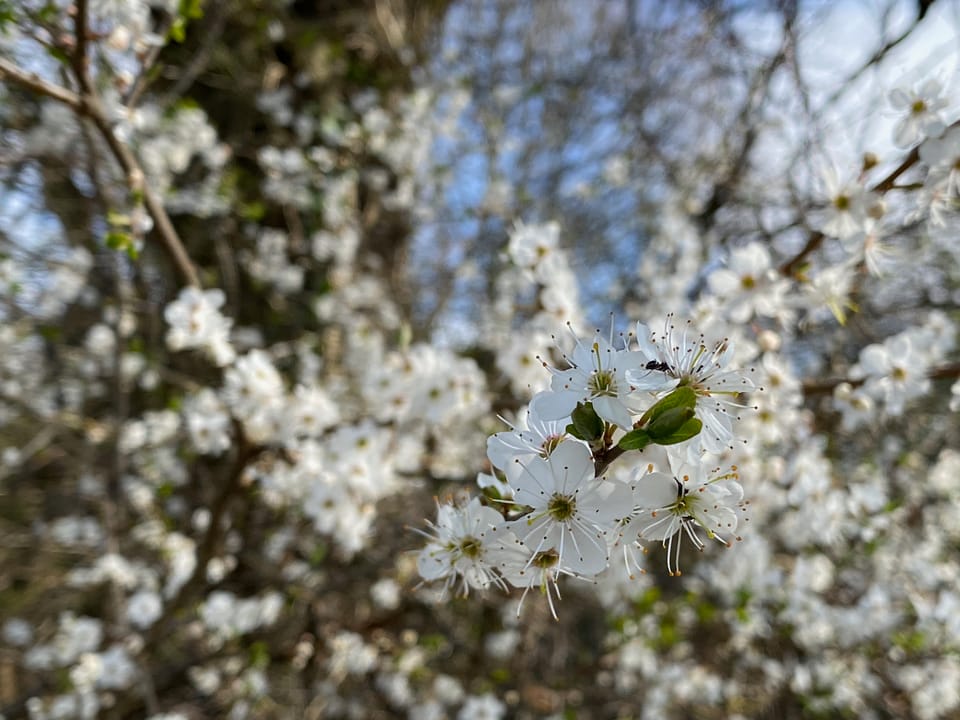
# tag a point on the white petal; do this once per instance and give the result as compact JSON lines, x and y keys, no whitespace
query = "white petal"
{"x":433,"y":562}
{"x":899,"y":98}
{"x":655,"y":490}
{"x":503,"y":447}
{"x":584,"y":552}
{"x":533,"y":481}
{"x":613,"y":411}
{"x":555,"y":405}
{"x":605,"y":502}
{"x":721,"y":520}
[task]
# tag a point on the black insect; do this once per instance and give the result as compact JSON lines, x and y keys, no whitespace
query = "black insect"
{"x":657,"y":365}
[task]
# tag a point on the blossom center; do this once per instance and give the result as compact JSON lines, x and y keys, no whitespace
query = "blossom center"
{"x":550,"y":444}
{"x":747,"y":282}
{"x":918,"y":107}
{"x":602,"y":384}
{"x":561,"y":507}
{"x":470,"y":547}
{"x":685,"y":503}
{"x":545,"y":559}
{"x":842,"y":202}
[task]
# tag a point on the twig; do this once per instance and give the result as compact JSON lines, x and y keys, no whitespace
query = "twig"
{"x":816,"y":238}
{"x":135,"y":175}
{"x":88,"y":104}
{"x":32,"y":81}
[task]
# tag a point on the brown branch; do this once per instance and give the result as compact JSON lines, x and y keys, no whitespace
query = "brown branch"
{"x":136,"y":178}
{"x":32,"y":81}
{"x":88,"y":104}
{"x":80,"y":61}
{"x":816,"y":238}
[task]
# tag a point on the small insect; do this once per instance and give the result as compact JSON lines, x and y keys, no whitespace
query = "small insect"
{"x":657,"y":365}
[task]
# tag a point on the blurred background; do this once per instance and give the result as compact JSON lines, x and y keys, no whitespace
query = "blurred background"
{"x":356,"y":177}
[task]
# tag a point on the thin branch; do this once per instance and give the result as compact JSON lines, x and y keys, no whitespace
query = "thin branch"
{"x":81,"y":62}
{"x":135,"y":176}
{"x":816,"y":238}
{"x":32,"y":81}
{"x":89,"y":105}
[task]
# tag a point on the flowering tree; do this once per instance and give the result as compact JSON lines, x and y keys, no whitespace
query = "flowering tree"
{"x":279,"y":280}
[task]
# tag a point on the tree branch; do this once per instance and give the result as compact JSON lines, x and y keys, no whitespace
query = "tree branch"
{"x":816,"y":238}
{"x":33,"y":82}
{"x":88,"y":105}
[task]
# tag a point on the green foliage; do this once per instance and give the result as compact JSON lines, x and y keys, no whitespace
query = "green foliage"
{"x":671,"y":420}
{"x":634,"y":440}
{"x":586,"y":424}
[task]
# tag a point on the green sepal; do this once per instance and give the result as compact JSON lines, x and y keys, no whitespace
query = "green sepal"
{"x":634,"y":440}
{"x":586,"y":424}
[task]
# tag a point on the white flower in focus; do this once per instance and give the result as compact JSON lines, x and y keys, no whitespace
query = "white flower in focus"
{"x":523,"y":567}
{"x":195,"y":322}
{"x":676,"y":505}
{"x":458,"y":547}
{"x":922,"y":106}
{"x":492,"y":481}
{"x":572,"y":510}
{"x":539,"y":438}
{"x":597,"y":374}
{"x":671,"y":360}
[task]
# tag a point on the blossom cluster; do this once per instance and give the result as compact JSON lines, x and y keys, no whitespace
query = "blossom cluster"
{"x":549,"y":510}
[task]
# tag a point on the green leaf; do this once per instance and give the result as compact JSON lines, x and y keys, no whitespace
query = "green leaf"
{"x":681,"y":397}
{"x":691,"y":428}
{"x":634,"y":440}
{"x":668,"y":422}
{"x":586,"y":424}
